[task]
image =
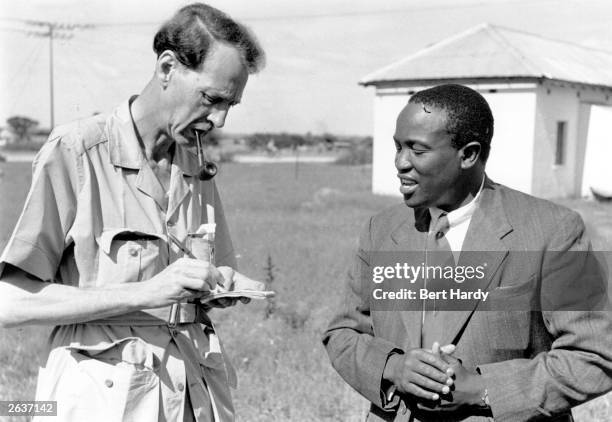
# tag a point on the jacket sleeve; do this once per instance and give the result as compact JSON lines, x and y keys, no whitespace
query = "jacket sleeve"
{"x":354,"y":350}
{"x":578,"y":367}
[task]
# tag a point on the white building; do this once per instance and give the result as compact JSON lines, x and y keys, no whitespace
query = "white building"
{"x":551,"y":100}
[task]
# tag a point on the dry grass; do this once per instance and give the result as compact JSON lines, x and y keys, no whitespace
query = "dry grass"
{"x":309,"y":226}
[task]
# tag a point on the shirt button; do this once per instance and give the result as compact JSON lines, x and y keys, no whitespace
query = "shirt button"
{"x":180,"y":386}
{"x":133,"y":251}
{"x":108,"y":383}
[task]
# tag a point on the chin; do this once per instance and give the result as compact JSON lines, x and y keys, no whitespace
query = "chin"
{"x":413,"y":202}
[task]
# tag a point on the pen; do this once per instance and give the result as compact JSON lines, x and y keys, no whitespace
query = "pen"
{"x":187,"y":252}
{"x":181,"y":246}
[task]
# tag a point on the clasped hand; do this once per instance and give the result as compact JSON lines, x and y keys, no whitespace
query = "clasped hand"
{"x":434,"y":379}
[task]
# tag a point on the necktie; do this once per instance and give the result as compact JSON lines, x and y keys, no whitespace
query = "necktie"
{"x":436,"y":238}
{"x":438,"y":257}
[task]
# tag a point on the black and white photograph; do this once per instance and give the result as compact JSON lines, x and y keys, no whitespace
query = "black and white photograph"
{"x":324,"y":210}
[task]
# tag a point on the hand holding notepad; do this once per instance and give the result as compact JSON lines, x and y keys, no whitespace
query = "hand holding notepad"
{"x":237,"y":285}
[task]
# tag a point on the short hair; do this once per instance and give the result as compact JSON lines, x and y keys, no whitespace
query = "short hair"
{"x":469,"y":116}
{"x":192,"y":31}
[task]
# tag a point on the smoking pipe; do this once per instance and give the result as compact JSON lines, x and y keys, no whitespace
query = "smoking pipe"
{"x":208,"y":169}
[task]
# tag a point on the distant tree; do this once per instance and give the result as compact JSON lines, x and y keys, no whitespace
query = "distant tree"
{"x":21,"y":126}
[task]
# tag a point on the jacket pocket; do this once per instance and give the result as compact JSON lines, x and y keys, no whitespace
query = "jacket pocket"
{"x":513,"y":297}
{"x":508,"y":316}
{"x":127,"y":256}
{"x":106,"y":382}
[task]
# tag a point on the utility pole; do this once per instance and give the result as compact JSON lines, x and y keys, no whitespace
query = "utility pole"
{"x":54,"y":30}
{"x":51,"y":102}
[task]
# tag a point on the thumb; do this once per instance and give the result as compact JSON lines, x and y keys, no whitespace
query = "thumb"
{"x":242,"y":282}
{"x":228,"y":274}
{"x":448,"y":349}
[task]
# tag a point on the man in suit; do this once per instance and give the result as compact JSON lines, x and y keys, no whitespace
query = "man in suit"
{"x":517,"y":355}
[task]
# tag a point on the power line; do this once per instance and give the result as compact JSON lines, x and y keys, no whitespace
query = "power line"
{"x":395,"y":11}
{"x":418,"y":9}
{"x":53,"y":30}
{"x":106,"y":45}
{"x":12,"y":30}
{"x":28,"y":65}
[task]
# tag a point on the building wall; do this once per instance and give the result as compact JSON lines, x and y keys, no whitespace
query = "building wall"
{"x":511,"y":158}
{"x":557,"y":101}
{"x":513,"y":108}
{"x":597,"y":169}
{"x":386,"y":109}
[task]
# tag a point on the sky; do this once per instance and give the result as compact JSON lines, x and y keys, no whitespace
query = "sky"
{"x":317,"y":51}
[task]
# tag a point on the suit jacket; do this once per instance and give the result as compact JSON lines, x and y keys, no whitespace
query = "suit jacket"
{"x":535,"y":364}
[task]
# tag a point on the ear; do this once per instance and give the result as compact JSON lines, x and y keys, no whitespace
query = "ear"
{"x":165,"y":67}
{"x":470,"y":154}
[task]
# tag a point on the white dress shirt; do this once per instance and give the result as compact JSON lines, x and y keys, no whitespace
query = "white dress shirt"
{"x":458,"y":221}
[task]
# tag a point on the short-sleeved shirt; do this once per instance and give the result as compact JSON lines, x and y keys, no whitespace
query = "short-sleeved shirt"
{"x":96,"y":215}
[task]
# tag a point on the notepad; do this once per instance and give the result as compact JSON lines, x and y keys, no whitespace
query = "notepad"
{"x":251,"y":294}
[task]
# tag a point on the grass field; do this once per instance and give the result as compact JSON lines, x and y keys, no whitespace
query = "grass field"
{"x":307,"y":227}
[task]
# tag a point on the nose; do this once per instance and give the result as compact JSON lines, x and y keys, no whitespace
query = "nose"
{"x":218,"y":116}
{"x":402,"y":160}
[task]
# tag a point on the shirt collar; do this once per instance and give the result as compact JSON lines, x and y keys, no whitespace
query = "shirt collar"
{"x":185,"y":160}
{"x":125,"y":150}
{"x":462,"y":213}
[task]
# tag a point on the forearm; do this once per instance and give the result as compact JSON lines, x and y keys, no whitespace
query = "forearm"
{"x":25,"y":302}
{"x":360,"y":360}
{"x":575,"y":370}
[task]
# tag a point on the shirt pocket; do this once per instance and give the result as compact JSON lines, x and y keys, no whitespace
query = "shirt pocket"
{"x":115,"y":381}
{"x":127,"y":256}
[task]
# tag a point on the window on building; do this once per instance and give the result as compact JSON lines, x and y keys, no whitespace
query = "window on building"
{"x":561,"y":141}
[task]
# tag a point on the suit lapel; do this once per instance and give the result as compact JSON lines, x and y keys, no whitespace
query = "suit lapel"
{"x":410,"y":239}
{"x":483,"y":246}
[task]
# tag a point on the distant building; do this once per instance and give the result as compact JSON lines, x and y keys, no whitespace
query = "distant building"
{"x":552,"y":103}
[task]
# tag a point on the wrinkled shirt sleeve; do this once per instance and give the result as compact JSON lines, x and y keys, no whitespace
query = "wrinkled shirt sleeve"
{"x":42,"y":232}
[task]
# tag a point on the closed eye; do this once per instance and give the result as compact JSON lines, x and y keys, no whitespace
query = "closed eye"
{"x":210,"y":100}
{"x":213,"y":100}
{"x":418,"y":151}
{"x":411,"y":147}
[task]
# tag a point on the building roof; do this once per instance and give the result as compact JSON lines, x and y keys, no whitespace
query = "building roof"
{"x":491,"y":52}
